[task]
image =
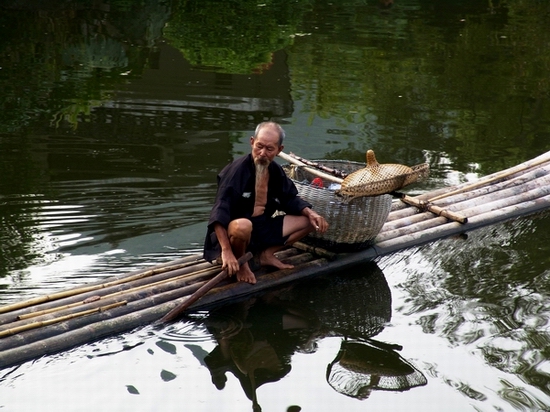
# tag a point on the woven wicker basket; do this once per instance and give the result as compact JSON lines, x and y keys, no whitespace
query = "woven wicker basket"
{"x":354,"y":224}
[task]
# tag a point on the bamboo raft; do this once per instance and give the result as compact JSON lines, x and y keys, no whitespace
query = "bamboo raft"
{"x":50,"y":324}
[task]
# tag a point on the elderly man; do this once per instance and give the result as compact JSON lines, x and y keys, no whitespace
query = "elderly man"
{"x":250,"y":190}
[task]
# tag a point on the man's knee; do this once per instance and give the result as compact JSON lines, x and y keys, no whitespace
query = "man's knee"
{"x":240,"y":228}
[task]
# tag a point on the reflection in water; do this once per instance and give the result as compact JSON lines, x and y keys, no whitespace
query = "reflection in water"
{"x":361,"y":367}
{"x":248,"y":42}
{"x":256,"y":338}
{"x":491,"y":298}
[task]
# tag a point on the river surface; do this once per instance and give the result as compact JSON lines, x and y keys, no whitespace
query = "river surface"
{"x":115,"y":117}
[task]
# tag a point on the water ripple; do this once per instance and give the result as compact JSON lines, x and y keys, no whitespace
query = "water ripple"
{"x":189,"y":332}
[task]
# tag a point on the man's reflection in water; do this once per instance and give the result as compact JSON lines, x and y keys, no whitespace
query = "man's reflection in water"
{"x":256,"y":342}
{"x":256,"y":338}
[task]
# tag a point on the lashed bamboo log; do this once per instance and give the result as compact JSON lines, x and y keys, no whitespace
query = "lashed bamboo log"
{"x":133,"y":319}
{"x":103,"y":289}
{"x":196,"y":276}
{"x":135,"y":301}
{"x":39,"y":324}
{"x":78,"y":291}
{"x":526,"y":179}
{"x":490,"y":217}
{"x":131,"y":294}
{"x":64,"y":335}
{"x":512,"y":195}
{"x":545,"y":158}
{"x":146,"y":315}
{"x":190,"y":276}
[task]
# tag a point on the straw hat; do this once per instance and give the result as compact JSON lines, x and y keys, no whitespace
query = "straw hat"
{"x":378,"y":179}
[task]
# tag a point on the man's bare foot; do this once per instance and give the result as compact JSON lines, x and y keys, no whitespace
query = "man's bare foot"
{"x":269,"y":259}
{"x":246,"y":275}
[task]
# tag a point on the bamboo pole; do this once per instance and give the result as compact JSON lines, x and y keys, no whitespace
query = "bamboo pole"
{"x":120,"y":285}
{"x":383,"y":247}
{"x":114,"y":322}
{"x":141,"y":301}
{"x":135,"y":318}
{"x":493,"y":211}
{"x":329,"y":170}
{"x":507,"y":198}
{"x":444,"y":230}
{"x":50,"y":339}
{"x":34,"y":325}
{"x":182,"y":307}
{"x":311,"y":170}
{"x":196,"y":275}
{"x":436,"y":210}
{"x":527,"y":181}
{"x":525,"y":178}
{"x":516,"y":170}
{"x":514,"y":194}
{"x":145,"y":303}
{"x":137,"y":301}
{"x":84,"y":289}
{"x":540,"y":160}
{"x":193,"y":277}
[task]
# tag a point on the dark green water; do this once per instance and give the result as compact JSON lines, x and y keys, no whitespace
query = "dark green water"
{"x":115,"y":117}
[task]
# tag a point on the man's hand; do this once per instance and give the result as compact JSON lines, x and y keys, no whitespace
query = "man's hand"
{"x":316,"y":220}
{"x":229,"y":262}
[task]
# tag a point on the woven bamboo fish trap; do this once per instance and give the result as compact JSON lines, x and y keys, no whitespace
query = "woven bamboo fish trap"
{"x":353,"y":224}
{"x":377,"y":179}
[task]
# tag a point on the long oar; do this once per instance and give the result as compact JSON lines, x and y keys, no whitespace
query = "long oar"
{"x":422,"y":205}
{"x":178,"y":310}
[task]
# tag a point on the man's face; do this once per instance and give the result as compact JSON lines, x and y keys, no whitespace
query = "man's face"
{"x":266,"y":146}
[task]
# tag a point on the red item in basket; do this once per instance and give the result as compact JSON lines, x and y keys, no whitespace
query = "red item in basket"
{"x":317,"y":182}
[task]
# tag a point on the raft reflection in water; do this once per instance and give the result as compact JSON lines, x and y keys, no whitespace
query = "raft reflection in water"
{"x":256,"y":338}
